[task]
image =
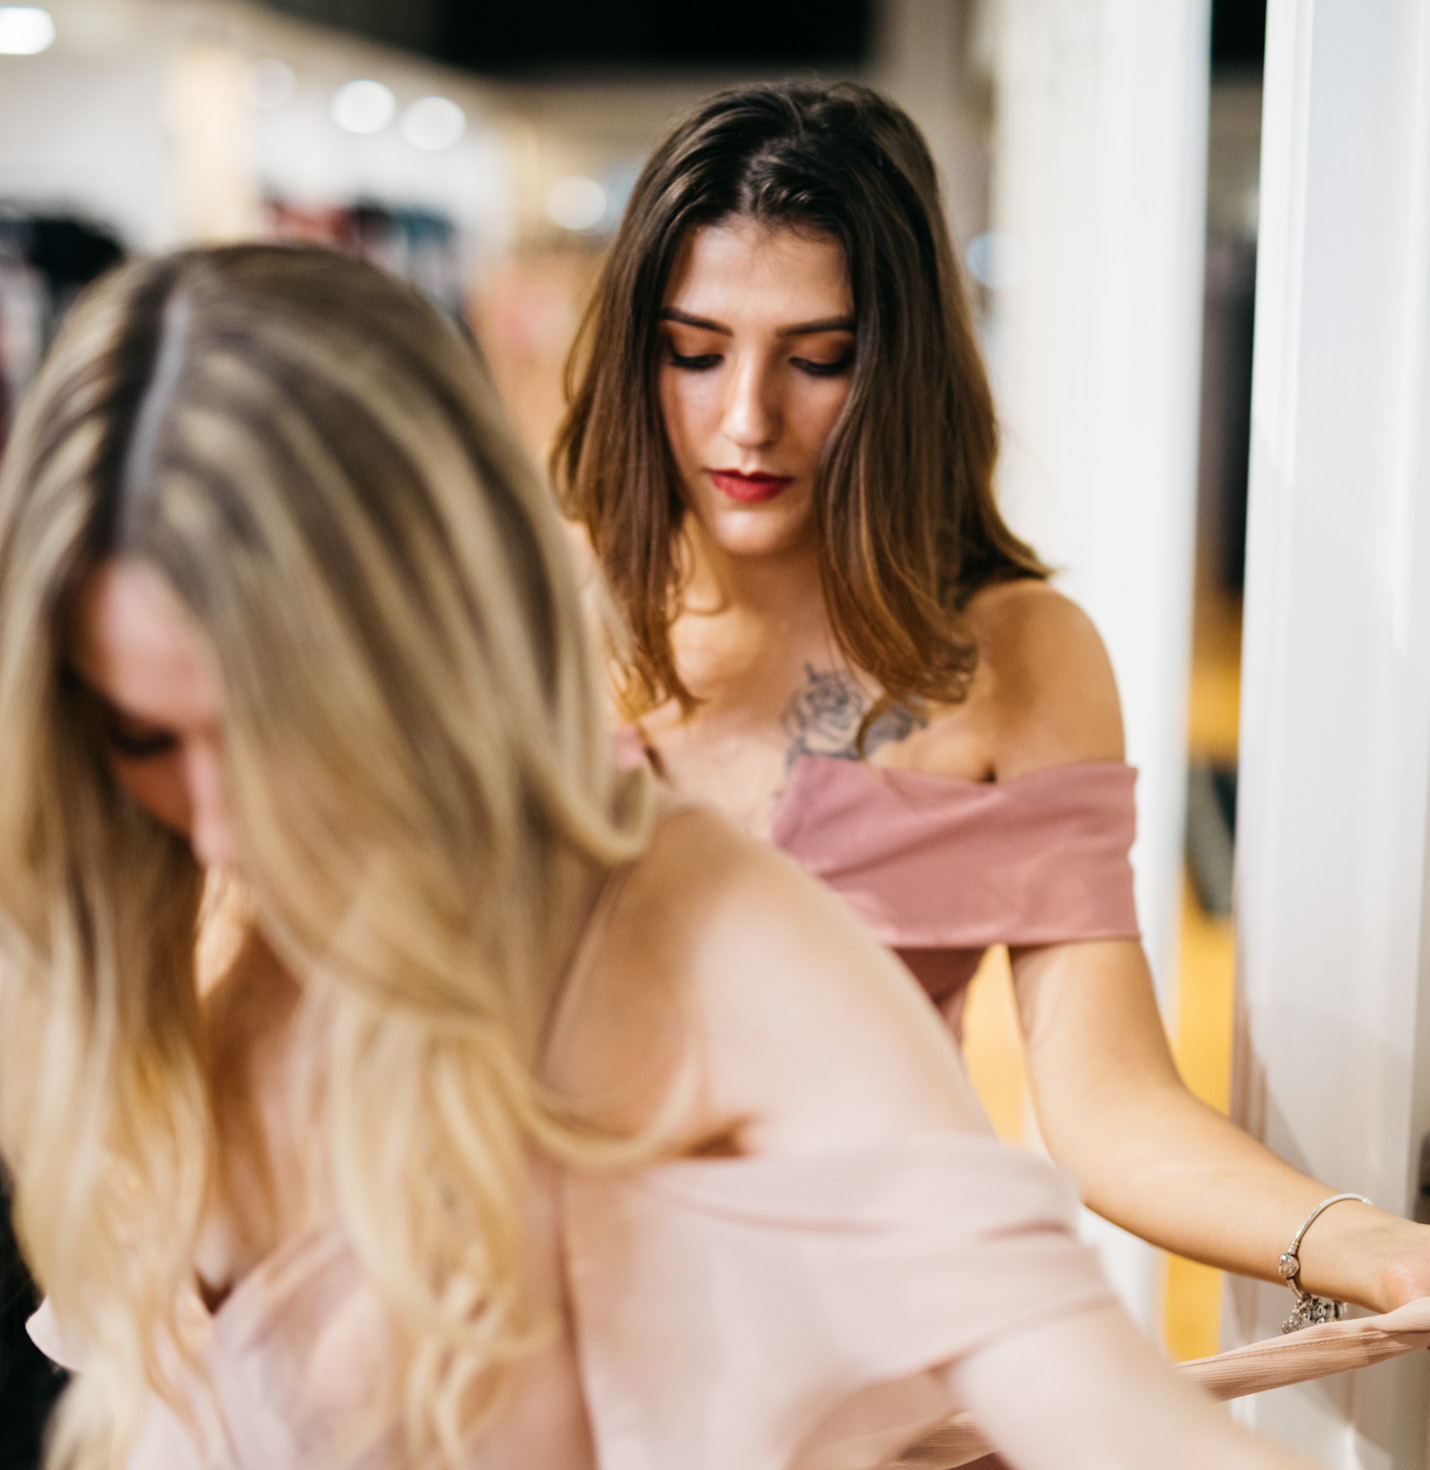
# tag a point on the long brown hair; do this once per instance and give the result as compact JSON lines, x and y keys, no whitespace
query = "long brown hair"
{"x":905,"y":504}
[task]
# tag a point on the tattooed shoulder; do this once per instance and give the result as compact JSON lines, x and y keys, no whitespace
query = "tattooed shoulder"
{"x":824,"y":713}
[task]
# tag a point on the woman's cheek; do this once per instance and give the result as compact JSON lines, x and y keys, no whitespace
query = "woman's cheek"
{"x":684,"y":405}
{"x":672,"y":415}
{"x":830,"y":406}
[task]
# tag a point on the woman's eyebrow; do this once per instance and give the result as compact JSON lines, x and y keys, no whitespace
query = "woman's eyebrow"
{"x":808,"y":329}
{"x":801,"y":329}
{"x":674,"y":314}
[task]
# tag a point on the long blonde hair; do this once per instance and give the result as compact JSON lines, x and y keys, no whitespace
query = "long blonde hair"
{"x":419,"y":771}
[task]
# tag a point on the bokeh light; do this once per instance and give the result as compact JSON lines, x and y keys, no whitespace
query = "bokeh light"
{"x":363,"y":106}
{"x":271,"y":84}
{"x":433,"y":123}
{"x":576,"y":202}
{"x":25,"y":30}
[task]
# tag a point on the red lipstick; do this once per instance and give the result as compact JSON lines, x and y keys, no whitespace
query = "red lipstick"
{"x":749,"y":489}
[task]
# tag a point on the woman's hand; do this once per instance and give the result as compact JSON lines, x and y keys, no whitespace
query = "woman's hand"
{"x":1391,"y":1255}
{"x":1406,"y":1276}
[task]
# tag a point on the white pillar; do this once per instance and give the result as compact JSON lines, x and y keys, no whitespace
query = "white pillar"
{"x":1099,"y":193}
{"x":1333,"y":1027}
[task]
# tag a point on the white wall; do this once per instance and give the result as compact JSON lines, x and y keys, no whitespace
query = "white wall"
{"x":82,"y":128}
{"x":1332,"y":1062}
{"x":1099,"y":188}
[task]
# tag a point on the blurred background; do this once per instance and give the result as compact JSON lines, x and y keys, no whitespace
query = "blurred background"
{"x":485,"y":149}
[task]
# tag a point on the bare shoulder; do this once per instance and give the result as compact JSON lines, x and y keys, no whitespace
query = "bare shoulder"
{"x":1052,"y":684}
{"x":723,"y":962}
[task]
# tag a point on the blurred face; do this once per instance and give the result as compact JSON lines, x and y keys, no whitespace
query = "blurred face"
{"x":758,"y":329}
{"x":147,"y":668}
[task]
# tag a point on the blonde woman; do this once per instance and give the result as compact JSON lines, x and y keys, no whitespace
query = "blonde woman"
{"x":533,"y":1121}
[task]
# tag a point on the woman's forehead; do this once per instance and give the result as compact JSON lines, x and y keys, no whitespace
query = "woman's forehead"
{"x":742,"y":268}
{"x":134,"y":642}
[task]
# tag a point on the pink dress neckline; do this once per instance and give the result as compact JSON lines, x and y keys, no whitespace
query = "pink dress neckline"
{"x":940,"y":868}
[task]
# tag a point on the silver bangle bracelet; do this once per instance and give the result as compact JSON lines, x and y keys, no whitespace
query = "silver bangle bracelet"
{"x":1310,"y":1310}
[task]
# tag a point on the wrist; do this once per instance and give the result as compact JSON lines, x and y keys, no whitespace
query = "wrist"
{"x":1402,"y":1270}
{"x":1366,"y":1256}
{"x":1311,"y":1309}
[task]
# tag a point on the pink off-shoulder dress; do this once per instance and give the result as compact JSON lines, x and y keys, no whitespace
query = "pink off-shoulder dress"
{"x":782,"y":1313}
{"x":788,"y":1312}
{"x":939,"y":868}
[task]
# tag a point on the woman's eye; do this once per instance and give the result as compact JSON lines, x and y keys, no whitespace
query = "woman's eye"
{"x":700,"y":363}
{"x":824,"y":369}
{"x":133,"y":747}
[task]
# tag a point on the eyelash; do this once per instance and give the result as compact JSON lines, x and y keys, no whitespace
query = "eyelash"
{"x":138,"y":747}
{"x":705,"y":361}
{"x":824,"y":369}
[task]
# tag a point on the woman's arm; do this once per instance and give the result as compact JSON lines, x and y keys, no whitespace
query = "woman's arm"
{"x":1087,"y":1392}
{"x":1156,"y":1160}
{"x":1113,"y":1110}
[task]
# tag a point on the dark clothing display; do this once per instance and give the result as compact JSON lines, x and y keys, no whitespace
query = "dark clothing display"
{"x":29,"y":1382}
{"x":45,"y":262}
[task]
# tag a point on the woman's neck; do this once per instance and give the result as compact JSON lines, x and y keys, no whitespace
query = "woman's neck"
{"x":781,"y":589}
{"x":748,"y":627}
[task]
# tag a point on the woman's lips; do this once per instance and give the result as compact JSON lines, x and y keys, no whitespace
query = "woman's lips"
{"x":749,"y":489}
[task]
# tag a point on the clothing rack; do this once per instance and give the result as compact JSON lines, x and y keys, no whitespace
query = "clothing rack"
{"x":46,"y":259}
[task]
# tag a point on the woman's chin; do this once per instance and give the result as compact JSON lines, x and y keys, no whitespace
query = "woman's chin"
{"x":760,"y":531}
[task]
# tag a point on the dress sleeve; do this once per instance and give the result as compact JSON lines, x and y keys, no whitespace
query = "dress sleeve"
{"x":932,"y":863}
{"x":786,"y":1314}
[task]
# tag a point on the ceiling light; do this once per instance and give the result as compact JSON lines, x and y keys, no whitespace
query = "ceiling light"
{"x":433,"y":123}
{"x":363,"y":107}
{"x":25,"y":30}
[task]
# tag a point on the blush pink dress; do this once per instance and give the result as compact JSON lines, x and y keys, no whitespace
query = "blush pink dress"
{"x":939,"y":868}
{"x":767,"y":1313}
{"x":770,"y":1314}
{"x":787,"y":1312}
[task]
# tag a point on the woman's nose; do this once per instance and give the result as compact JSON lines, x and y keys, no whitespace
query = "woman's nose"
{"x":752,"y":410}
{"x":210,"y":833}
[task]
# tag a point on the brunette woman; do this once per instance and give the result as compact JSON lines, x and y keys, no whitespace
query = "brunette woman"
{"x":781,"y":446}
